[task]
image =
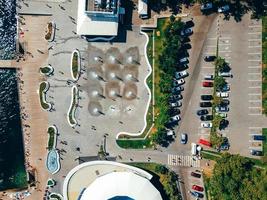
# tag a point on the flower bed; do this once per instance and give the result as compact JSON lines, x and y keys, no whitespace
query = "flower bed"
{"x":43,"y":88}
{"x":50,"y":32}
{"x":50,"y":183}
{"x":55,"y":196}
{"x":52,"y":131}
{"x":48,"y":70}
{"x":75,"y":65}
{"x":74,"y":102}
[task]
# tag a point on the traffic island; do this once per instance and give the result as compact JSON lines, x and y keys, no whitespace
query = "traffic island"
{"x":75,"y":64}
{"x":74,"y":103}
{"x":47,"y":70}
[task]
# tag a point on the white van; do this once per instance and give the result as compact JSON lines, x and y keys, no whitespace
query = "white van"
{"x":193,"y":149}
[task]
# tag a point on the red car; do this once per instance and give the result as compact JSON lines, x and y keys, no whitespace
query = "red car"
{"x":207,"y":84}
{"x":197,"y":188}
{"x":204,"y":142}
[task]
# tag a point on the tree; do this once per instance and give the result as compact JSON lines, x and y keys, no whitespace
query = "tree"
{"x":161,"y":169}
{"x":161,"y":137}
{"x":165,"y":83}
{"x":219,"y":82}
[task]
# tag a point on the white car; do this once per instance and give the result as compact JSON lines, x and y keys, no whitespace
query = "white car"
{"x":176,"y":104}
{"x":225,"y":74}
{"x":183,"y":60}
{"x":170,"y":132}
{"x":177,"y":89}
{"x":178,"y":82}
{"x":182,"y":74}
{"x":206,"y":124}
{"x":223,"y":8}
{"x":175,"y":118}
{"x":222,"y":94}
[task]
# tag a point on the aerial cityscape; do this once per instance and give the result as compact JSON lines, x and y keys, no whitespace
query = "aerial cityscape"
{"x":133,"y":99}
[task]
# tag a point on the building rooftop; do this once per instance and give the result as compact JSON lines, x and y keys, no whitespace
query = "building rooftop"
{"x":108,"y":6}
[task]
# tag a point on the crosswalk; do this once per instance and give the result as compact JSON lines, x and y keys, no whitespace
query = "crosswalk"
{"x":180,"y":160}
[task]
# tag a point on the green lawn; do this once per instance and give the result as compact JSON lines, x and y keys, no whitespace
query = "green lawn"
{"x":73,"y":105}
{"x":51,"y":133}
{"x":134,"y":143}
{"x":264,"y":64}
{"x":75,"y":64}
{"x":41,"y":93}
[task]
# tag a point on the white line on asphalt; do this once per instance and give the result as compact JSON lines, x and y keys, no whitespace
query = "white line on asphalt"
{"x":255,"y":127}
{"x":254,"y":101}
{"x":225,"y":38}
{"x":254,"y":60}
{"x":255,"y":46}
{"x":255,"y":147}
{"x":229,"y":51}
{"x":254,"y":107}
{"x":254,"y":94}
{"x":254,"y":39}
{"x":211,"y":46}
{"x":224,"y":44}
{"x":212,"y":38}
{"x":254,"y":114}
{"x":253,"y":33}
{"x":254,"y":26}
{"x":254,"y":87}
{"x":254,"y":73}
{"x":258,"y":53}
{"x":255,"y":80}
{"x":254,"y":66}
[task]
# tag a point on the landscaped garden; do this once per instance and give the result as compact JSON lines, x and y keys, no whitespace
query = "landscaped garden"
{"x":264,"y":64}
{"x":52,"y":131}
{"x":166,"y":180}
{"x":55,"y":196}
{"x":75,"y":65}
{"x":74,"y":103}
{"x":49,"y":34}
{"x":47,"y":70}
{"x":43,"y":88}
{"x":167,"y":48}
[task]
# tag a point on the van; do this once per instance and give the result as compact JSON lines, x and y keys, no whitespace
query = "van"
{"x":193,"y":149}
{"x":258,"y":137}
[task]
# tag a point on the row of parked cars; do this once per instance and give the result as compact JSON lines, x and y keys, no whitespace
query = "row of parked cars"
{"x":210,"y":7}
{"x":197,"y":191}
{"x":205,"y":104}
{"x":176,"y":97}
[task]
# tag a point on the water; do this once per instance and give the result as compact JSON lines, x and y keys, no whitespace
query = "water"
{"x":8,"y":28}
{"x":121,"y":198}
{"x":12,"y":170}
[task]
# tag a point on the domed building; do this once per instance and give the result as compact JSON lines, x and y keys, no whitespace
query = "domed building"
{"x":106,"y":180}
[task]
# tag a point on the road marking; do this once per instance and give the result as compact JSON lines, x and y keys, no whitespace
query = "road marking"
{"x":254,"y":87}
{"x":255,"y":127}
{"x":180,"y":160}
{"x":254,"y":114}
{"x":212,"y":38}
{"x":211,"y":46}
{"x":254,"y":101}
{"x":229,"y":51}
{"x":253,"y":33}
{"x":223,"y":44}
{"x":225,"y":38}
{"x":254,"y":107}
{"x":255,"y":80}
{"x":254,"y":66}
{"x":254,"y":60}
{"x":254,"y":73}
{"x":258,"y":53}
{"x":207,"y":67}
{"x":254,"y":94}
{"x":254,"y":39}
{"x":254,"y":46}
{"x":254,"y":26}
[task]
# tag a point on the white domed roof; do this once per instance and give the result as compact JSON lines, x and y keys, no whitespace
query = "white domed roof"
{"x":117,"y":184}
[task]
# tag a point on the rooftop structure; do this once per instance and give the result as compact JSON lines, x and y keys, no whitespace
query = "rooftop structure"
{"x":98,"y":17}
{"x":102,"y":180}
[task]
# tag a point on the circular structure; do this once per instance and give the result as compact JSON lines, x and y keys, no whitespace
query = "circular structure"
{"x":102,"y":180}
{"x":95,"y":109}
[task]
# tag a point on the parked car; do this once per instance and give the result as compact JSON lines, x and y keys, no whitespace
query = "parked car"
{"x":222,"y":94}
{"x":223,"y":115}
{"x":225,"y":145}
{"x":209,"y":77}
{"x":205,"y":104}
{"x":221,"y":108}
{"x":256,"y":152}
{"x":175,"y":118}
{"x":181,"y":74}
{"x":202,"y":112}
{"x":183,"y":60}
{"x":178,"y":82}
{"x":206,"y":124}
{"x":258,"y":137}
{"x":196,"y":194}
{"x":207,"y":84}
{"x":177,"y":89}
{"x":206,"y":6}
{"x":197,"y":188}
{"x":206,"y":118}
{"x":206,"y":97}
{"x":225,"y":88}
{"x":186,"y":32}
{"x":176,"y":104}
{"x":174,"y":111}
{"x":175,"y":97}
{"x":223,"y":124}
{"x":204,"y":142}
{"x":183,"y":138}
{"x":209,"y":58}
{"x":225,"y":102}
{"x":170,"y":132}
{"x":224,"y":8}
{"x":194,"y":174}
{"x":224,"y":74}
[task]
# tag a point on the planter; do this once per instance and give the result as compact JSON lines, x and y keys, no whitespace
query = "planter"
{"x":52,"y":161}
{"x":50,"y":31}
{"x":50,"y":183}
{"x":75,"y":65}
{"x":52,"y":141}
{"x":43,"y":88}
{"x":48,"y":70}
{"x":74,"y":102}
{"x":55,"y":196}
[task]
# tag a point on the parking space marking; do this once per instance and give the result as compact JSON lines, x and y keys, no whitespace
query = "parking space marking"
{"x":255,"y":127}
{"x":254,"y":53}
{"x":254,"y":26}
{"x":258,"y":46}
{"x":254,"y":107}
{"x":258,"y":60}
{"x":251,"y":80}
{"x":254,"y":33}
{"x":254,"y":66}
{"x":254,"y":73}
{"x":227,"y":51}
{"x":254,"y":87}
{"x":254,"y":39}
{"x":180,"y":160}
{"x":254,"y":94}
{"x":254,"y":100}
{"x":254,"y":114}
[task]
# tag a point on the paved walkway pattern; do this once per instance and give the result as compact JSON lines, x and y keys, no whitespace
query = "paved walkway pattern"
{"x":185,"y":161}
